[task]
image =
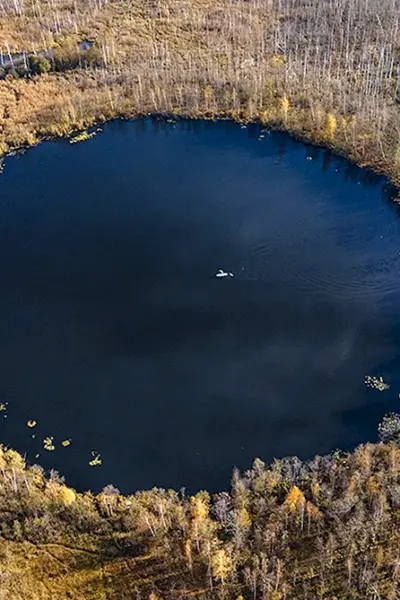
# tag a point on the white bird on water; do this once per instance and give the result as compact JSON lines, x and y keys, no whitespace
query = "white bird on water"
{"x":222,"y":274}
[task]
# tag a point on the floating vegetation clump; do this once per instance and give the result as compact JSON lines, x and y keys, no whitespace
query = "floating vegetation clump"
{"x":48,"y":444}
{"x":96,"y":460}
{"x":376,"y":383}
{"x":82,"y":137}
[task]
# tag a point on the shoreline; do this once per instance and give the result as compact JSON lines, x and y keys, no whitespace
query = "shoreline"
{"x":325,"y":73}
{"x":287,"y":523}
{"x":301,"y":136}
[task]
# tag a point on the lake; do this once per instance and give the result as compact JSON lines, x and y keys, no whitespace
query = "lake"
{"x":116,"y":334}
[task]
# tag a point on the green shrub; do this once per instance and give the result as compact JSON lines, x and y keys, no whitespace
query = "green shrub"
{"x":39,"y":65}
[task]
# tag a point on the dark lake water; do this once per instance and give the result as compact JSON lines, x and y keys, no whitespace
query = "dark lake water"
{"x":115,"y":332}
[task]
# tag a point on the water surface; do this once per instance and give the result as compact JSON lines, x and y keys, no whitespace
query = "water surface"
{"x":115,"y":333}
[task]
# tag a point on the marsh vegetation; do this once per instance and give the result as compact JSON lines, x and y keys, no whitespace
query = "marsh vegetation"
{"x":327,"y":71}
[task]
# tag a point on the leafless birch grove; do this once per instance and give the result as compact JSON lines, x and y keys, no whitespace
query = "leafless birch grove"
{"x":328,"y":70}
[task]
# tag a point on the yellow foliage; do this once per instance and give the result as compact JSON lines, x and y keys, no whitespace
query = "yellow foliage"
{"x":66,"y":495}
{"x":188,"y":548}
{"x":36,"y":476}
{"x":243,"y":517}
{"x":199,"y":508}
{"x":315,"y":488}
{"x":278,"y":60}
{"x":373,"y":486}
{"x":48,"y":444}
{"x":331,"y":126}
{"x":295,"y":499}
{"x":188,"y":552}
{"x":14,"y":459}
{"x":82,"y":137}
{"x":221,"y":565}
{"x":285,"y":105}
{"x":60,"y":493}
{"x":96,"y":460}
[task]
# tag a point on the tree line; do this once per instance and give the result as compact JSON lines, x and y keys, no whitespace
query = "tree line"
{"x":323,"y":529}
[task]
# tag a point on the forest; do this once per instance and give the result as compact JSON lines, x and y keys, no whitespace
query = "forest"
{"x":325,"y":529}
{"x":324,"y":71}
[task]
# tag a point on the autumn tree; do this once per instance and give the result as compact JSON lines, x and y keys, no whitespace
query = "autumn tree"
{"x":330,"y":127}
{"x":285,"y":106}
{"x":221,"y":565}
{"x":201,"y":523}
{"x":295,"y":501}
